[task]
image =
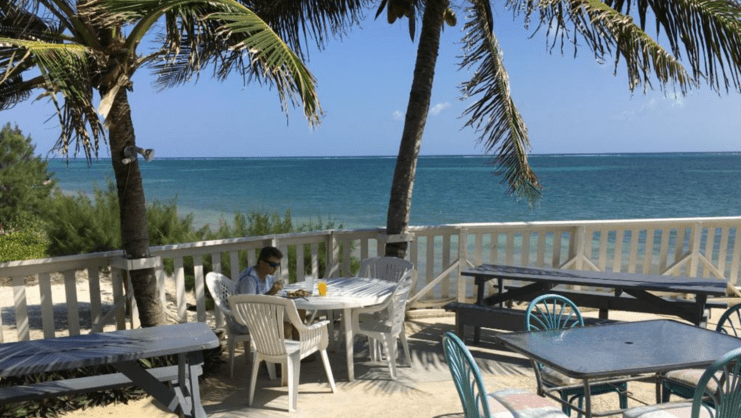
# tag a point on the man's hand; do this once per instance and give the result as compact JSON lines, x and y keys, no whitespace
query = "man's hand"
{"x":277,"y":287}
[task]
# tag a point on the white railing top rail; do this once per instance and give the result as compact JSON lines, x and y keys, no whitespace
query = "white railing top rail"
{"x":76,"y":262}
{"x":588,"y":223}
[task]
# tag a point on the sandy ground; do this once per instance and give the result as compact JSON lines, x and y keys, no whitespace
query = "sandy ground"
{"x":424,"y":389}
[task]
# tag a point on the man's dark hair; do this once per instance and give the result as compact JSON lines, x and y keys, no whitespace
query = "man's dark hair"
{"x":268,"y":252}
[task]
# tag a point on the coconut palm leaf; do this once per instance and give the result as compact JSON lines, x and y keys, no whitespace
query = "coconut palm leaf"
{"x":277,"y":63}
{"x":494,"y":114}
{"x":708,"y":31}
{"x":298,"y":20}
{"x":217,"y":33}
{"x":64,"y":70}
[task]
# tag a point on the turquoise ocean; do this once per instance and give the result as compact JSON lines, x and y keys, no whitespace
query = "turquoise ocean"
{"x":354,"y":191}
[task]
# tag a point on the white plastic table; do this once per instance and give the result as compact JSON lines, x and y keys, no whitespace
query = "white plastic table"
{"x":346,"y":294}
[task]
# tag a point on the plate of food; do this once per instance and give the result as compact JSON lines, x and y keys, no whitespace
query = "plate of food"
{"x":298,"y":293}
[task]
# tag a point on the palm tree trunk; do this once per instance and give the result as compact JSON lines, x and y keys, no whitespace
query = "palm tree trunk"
{"x":134,"y":233}
{"x":400,"y":201}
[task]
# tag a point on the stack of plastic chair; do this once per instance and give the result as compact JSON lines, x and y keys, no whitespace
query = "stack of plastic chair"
{"x":385,"y":322}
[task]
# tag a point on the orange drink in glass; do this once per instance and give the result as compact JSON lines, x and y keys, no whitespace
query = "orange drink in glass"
{"x":322,"y":287}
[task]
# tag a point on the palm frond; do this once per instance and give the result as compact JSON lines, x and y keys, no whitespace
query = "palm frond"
{"x":707,"y":31}
{"x":12,"y":92}
{"x":64,"y":68}
{"x":297,"y":21}
{"x":47,"y":20}
{"x":222,"y":33}
{"x":271,"y":57}
{"x":494,"y":114}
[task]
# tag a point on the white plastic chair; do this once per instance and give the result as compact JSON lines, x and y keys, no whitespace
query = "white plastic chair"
{"x":384,"y":268}
{"x":265,"y":316}
{"x":385,"y":322}
{"x":221,"y":287}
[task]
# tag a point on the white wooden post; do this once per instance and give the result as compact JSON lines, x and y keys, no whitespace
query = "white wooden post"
{"x":695,"y":239}
{"x":333,"y":255}
{"x":581,"y":240}
{"x":462,"y":263}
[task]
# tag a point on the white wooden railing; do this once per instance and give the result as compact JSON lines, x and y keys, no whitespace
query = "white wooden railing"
{"x":698,"y":247}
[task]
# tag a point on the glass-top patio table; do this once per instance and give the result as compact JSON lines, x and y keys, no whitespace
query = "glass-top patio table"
{"x":617,"y":350}
{"x":345,"y":294}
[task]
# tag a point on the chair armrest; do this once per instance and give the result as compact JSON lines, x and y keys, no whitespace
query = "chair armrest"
{"x":369,"y":309}
{"x":314,"y":335}
{"x":312,"y":327}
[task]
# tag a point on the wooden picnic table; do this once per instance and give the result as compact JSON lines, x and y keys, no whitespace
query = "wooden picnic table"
{"x":637,"y":288}
{"x":121,"y":350}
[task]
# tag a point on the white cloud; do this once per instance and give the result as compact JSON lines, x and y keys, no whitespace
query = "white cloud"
{"x":397,"y":115}
{"x":439,"y":108}
{"x":656,"y":103}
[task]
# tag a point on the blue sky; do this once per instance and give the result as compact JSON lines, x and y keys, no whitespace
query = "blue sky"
{"x":570,"y":105}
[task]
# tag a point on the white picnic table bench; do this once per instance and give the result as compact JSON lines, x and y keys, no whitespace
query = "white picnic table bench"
{"x":121,"y":350}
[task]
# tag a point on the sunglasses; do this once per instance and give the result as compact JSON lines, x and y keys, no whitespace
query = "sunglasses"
{"x":271,"y":264}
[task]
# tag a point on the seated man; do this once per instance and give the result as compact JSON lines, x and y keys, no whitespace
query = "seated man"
{"x":260,"y":280}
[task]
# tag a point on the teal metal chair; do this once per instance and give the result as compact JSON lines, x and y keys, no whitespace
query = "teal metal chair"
{"x":717,"y":395}
{"x":551,"y":311}
{"x":507,"y":403}
{"x":683,"y":382}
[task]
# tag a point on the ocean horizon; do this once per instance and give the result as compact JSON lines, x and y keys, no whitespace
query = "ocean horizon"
{"x":353,"y":191}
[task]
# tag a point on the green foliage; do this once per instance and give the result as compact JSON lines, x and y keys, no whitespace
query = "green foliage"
{"x":165,"y":227}
{"x":25,"y":184}
{"x":79,"y":225}
{"x":26,"y":242}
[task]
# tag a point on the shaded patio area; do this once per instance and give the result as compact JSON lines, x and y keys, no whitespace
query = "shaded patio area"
{"x":423,"y":390}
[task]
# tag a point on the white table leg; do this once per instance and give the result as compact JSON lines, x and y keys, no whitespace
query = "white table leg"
{"x":347,"y":321}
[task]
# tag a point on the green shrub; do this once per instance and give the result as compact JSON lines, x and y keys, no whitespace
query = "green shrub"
{"x":25,"y":184}
{"x":79,"y":225}
{"x":166,"y":227}
{"x":25,"y":242}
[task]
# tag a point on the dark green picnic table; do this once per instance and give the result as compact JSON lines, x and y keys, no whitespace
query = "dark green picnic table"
{"x":121,"y":350}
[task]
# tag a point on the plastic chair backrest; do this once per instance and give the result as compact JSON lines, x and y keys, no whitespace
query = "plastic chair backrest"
{"x":552,"y":311}
{"x":264,"y":316}
{"x":385,"y":268}
{"x":730,"y":322}
{"x":397,"y":307}
{"x":466,"y":376}
{"x":220,"y":287}
{"x":725,"y":373}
